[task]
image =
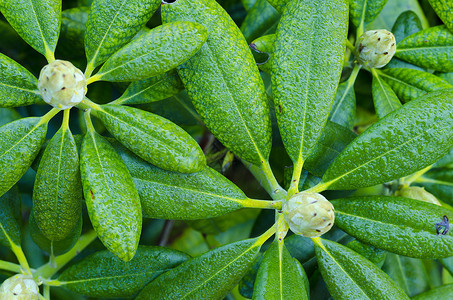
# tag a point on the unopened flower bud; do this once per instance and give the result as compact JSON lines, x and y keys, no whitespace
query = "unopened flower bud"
{"x":309,"y":214}
{"x":61,"y":84}
{"x":417,"y":193}
{"x":19,"y":287}
{"x":375,"y":48}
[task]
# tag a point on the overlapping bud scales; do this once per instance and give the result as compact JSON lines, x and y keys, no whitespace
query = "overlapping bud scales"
{"x":375,"y":48}
{"x":19,"y":287}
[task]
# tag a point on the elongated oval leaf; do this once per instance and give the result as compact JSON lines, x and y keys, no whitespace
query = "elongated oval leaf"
{"x":261,"y":18}
{"x":410,"y":84}
{"x":431,"y":48}
{"x":209,"y":276}
{"x":170,"y":195}
{"x":73,"y":26}
{"x":304,"y":79}
{"x":348,"y":275}
{"x":18,"y":87}
{"x":113,"y":23}
{"x":442,"y":292}
{"x":112,"y":201}
{"x":384,"y":98}
{"x":36,"y":21}
{"x":403,"y":142}
{"x":278,"y":4}
{"x":153,"y":89}
{"x":365,"y":11}
{"x":10,"y":218}
{"x":373,"y":254}
{"x":343,"y":108}
{"x":227,"y":92}
{"x":438,"y":182}
{"x":160,"y":50}
{"x":406,"y":24}
{"x":248,"y":4}
{"x":57,"y":195}
{"x":265,"y":44}
{"x":443,"y":9}
{"x":8,"y":115}
{"x":280,"y":276}
{"x":20,"y":142}
{"x":153,"y":138}
{"x":399,"y":225}
{"x":102,"y":274}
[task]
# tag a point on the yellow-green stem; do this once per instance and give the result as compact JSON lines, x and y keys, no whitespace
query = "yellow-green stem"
{"x":87,"y":103}
{"x":275,"y":190}
{"x":265,"y":236}
{"x":93,"y":78}
{"x":47,"y":292}
{"x":66,"y":115}
{"x":282,"y":226}
{"x":89,"y":124}
{"x":47,"y":117}
{"x":320,"y":187}
{"x":350,"y":46}
{"x":9,"y":266}
{"x":50,"y":56}
{"x":414,"y":177}
{"x":17,"y":250}
{"x":294,"y":187}
{"x":253,"y":203}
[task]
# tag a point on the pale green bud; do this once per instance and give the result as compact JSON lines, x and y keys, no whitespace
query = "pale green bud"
{"x":61,"y":84}
{"x":417,"y":193}
{"x":375,"y":48}
{"x":309,"y":214}
{"x":19,"y":287}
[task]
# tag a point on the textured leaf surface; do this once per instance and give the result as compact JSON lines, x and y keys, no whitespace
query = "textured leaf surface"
{"x":365,"y":11}
{"x":36,"y":21}
{"x":57,"y":194}
{"x":18,"y":87}
{"x":406,"y":24}
{"x":442,"y":292}
{"x":170,"y":195}
{"x":349,"y":275}
{"x":403,"y":142}
{"x":373,"y":254}
{"x":153,"y":89}
{"x":443,"y":9}
{"x":227,"y":93}
{"x":8,"y":115}
{"x":102,"y":274}
{"x":278,"y":4}
{"x":112,"y":201}
{"x":304,"y":80}
{"x":73,"y":26}
{"x":410,"y":84}
{"x":343,"y":108}
{"x":399,"y":225}
{"x":20,"y":142}
{"x":280,"y":276}
{"x":10,"y":218}
{"x":384,"y":98}
{"x":113,"y":23}
{"x":265,"y":44}
{"x":160,"y":50}
{"x":431,"y":48}
{"x":209,"y":276}
{"x":440,"y":183}
{"x":259,"y":20}
{"x":153,"y":138}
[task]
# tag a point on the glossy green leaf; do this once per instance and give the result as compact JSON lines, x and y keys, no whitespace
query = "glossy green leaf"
{"x":431,"y":48}
{"x":406,"y":24}
{"x":265,"y":44}
{"x":227,"y":92}
{"x":448,"y":77}
{"x":73,"y":26}
{"x":160,"y":50}
{"x":399,"y":225}
{"x":304,"y":80}
{"x":403,"y":142}
{"x":365,"y":11}
{"x":111,"y":197}
{"x":10,"y":218}
{"x":113,"y":23}
{"x":409,"y":273}
{"x":384,"y":98}
{"x":439,"y":182}
{"x":36,"y":21}
{"x":153,"y":138}
{"x":343,"y":108}
{"x":20,"y":142}
{"x":373,"y":254}
{"x":278,"y":4}
{"x":170,"y":195}
{"x":261,"y":18}
{"x":447,"y":263}
{"x":349,"y":275}
{"x":102,"y":274}
{"x":443,"y":9}
{"x":8,"y":115}
{"x":153,"y":89}
{"x":18,"y":87}
{"x":442,"y":292}
{"x":280,"y":276}
{"x":248,"y":4}
{"x":57,"y":194}
{"x":209,"y":276}
{"x":247,"y":282}
{"x":446,"y":161}
{"x":410,"y":84}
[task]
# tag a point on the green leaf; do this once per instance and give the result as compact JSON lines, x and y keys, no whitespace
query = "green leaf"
{"x":409,"y":273}
{"x":278,"y":4}
{"x":431,"y":48}
{"x":169,"y":195}
{"x":18,"y":87}
{"x":57,"y":194}
{"x":265,"y":44}
{"x":442,"y":292}
{"x":410,"y":84}
{"x":111,"y":197}
{"x":209,"y":276}
{"x":349,"y":275}
{"x":10,"y":217}
{"x":439,"y":182}
{"x":304,"y":80}
{"x":385,"y":99}
{"x":447,"y":263}
{"x":113,"y":23}
{"x":373,"y":254}
{"x":247,"y":282}
{"x":20,"y":142}
{"x":153,"y":138}
{"x":443,"y":9}
{"x":403,"y":142}
{"x":153,"y":89}
{"x":248,"y":4}
{"x":228,"y":93}
{"x":36,"y":21}
{"x":399,"y":225}
{"x":160,"y":50}
{"x":280,"y":276}
{"x":260,"y":19}
{"x":343,"y":108}
{"x":406,"y":24}
{"x":363,"y":12}
{"x":104,"y":275}
{"x":73,"y":26}
{"x":8,"y":115}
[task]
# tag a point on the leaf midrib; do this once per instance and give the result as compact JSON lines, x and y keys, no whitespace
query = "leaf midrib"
{"x":384,"y":91}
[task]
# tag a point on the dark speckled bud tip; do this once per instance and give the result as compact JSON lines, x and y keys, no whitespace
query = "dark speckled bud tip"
{"x":375,"y":48}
